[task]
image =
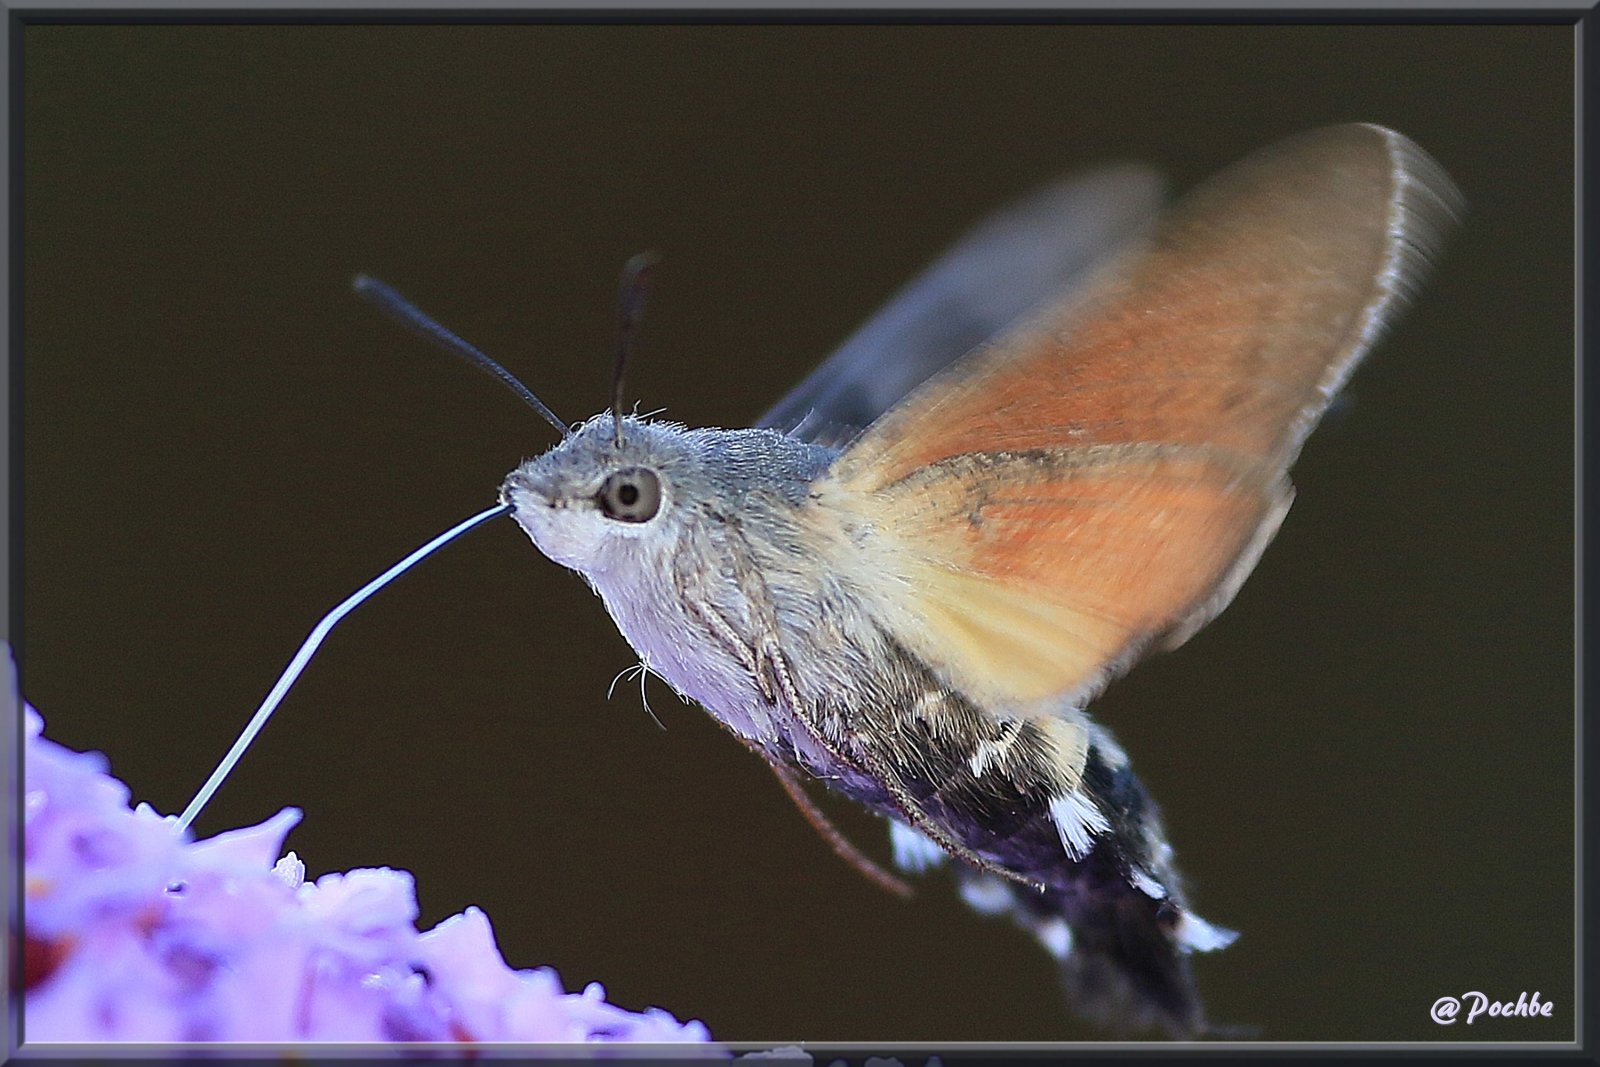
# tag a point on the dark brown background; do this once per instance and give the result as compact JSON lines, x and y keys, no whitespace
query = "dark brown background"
{"x":1366,"y":762}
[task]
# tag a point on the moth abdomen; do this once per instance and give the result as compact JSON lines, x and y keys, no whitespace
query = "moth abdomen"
{"x":1112,"y":908}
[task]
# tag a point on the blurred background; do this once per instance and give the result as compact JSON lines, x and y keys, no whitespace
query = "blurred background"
{"x":1366,"y":762}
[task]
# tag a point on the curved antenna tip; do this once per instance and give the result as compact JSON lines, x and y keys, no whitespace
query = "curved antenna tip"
{"x":643,"y":261}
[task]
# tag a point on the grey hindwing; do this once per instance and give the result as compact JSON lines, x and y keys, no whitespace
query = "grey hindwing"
{"x":1036,"y":249}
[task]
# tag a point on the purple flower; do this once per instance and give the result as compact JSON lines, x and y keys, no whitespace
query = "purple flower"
{"x":135,"y":933}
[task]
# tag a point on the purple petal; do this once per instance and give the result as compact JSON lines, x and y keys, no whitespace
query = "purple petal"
{"x":134,"y":933}
{"x":250,"y":849}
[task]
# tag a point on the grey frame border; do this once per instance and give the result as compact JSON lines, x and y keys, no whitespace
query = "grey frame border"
{"x":742,"y":10}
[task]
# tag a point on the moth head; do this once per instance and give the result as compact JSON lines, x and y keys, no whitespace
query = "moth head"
{"x":594,"y":502}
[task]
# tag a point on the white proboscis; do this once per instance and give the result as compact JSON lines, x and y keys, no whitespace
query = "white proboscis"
{"x":308,"y":648}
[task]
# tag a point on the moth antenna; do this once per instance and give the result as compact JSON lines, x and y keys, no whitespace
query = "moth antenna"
{"x":630,"y":308}
{"x":308,"y":648}
{"x":386,"y":299}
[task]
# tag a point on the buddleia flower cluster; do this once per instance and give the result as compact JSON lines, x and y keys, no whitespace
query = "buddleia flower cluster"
{"x":134,"y":932}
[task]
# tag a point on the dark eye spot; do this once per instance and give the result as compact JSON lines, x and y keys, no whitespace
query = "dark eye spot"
{"x":631,"y":495}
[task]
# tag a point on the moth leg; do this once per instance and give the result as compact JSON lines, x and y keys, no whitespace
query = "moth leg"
{"x":869,"y":763}
{"x":730,"y":637}
{"x":906,"y":802}
{"x":922,"y":821}
{"x":751,"y":659}
{"x":830,"y":833}
{"x":784,"y":680}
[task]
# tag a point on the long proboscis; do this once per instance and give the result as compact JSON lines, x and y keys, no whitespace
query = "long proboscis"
{"x":308,"y":648}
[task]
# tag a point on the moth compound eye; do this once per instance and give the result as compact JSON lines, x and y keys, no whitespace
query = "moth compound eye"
{"x":631,"y":495}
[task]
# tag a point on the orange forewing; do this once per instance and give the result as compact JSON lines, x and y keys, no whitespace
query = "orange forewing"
{"x":1107,"y":473}
{"x":1028,"y":576}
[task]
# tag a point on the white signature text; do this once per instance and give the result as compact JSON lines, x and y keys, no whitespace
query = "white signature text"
{"x":1446,"y":1010}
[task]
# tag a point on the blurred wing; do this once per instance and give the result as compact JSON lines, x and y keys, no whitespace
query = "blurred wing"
{"x":1005,"y":267}
{"x":1106,"y":474}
